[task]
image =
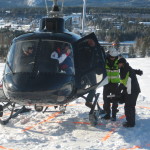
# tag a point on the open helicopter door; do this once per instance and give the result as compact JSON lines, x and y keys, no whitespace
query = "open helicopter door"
{"x":89,"y":64}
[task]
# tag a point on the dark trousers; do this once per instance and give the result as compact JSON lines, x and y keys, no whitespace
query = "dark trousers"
{"x":130,"y":103}
{"x":110,"y":88}
{"x":92,"y":81}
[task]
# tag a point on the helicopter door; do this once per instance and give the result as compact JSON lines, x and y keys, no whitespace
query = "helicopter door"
{"x":90,"y":63}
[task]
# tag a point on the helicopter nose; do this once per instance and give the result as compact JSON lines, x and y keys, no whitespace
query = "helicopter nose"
{"x":43,"y":89}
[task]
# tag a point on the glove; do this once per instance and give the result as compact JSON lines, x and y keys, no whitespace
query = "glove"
{"x":139,"y":72}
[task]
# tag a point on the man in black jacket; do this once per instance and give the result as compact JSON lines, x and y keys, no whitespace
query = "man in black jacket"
{"x":131,"y":89}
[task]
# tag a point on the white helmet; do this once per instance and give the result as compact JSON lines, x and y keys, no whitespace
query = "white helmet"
{"x":26,"y":45}
{"x":113,"y":52}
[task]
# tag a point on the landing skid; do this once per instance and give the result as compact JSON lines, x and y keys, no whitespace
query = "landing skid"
{"x":94,"y":114}
{"x":8,"y":111}
{"x":11,"y":112}
{"x":62,"y":108}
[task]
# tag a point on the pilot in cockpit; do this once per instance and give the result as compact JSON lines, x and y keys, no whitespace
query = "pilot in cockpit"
{"x":27,"y":49}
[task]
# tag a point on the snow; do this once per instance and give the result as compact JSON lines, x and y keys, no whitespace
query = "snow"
{"x":145,"y":23}
{"x":72,"y":131}
{"x":32,"y":2}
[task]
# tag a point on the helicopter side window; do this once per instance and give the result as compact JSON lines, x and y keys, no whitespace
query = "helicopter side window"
{"x":10,"y":58}
{"x":85,"y":53}
{"x":11,"y":55}
{"x":90,"y":62}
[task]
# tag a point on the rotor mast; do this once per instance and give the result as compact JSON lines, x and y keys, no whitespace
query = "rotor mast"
{"x":54,"y":22}
{"x":55,"y":12}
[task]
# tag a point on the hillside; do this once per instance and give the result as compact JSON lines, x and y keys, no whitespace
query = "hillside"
{"x":97,"y":3}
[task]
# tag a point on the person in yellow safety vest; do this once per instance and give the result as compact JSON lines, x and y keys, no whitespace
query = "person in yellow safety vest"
{"x":110,"y":88}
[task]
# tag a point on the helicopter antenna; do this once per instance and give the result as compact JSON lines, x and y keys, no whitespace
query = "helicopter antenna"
{"x":46,"y":7}
{"x":55,"y":12}
{"x":62,"y":6}
{"x":55,"y":6}
{"x":83,"y":17}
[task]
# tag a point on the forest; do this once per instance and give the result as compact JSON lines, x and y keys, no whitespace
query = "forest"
{"x":112,"y":24}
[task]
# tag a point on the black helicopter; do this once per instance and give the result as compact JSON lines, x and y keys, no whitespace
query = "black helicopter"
{"x":50,"y":67}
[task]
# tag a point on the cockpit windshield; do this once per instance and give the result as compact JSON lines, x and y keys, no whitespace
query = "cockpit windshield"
{"x":42,"y":56}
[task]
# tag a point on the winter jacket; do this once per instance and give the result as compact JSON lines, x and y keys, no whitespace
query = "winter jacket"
{"x":67,"y":65}
{"x":112,"y":70}
{"x":128,"y":79}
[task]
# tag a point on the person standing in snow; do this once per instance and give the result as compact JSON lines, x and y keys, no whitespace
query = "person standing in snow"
{"x":91,"y":75}
{"x":110,"y":88}
{"x":131,"y":89}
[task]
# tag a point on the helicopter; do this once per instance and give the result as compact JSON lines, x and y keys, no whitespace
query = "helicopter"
{"x":51,"y":67}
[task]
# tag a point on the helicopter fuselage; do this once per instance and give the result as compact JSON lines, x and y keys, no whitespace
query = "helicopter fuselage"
{"x":52,"y":66}
{"x":39,"y":81}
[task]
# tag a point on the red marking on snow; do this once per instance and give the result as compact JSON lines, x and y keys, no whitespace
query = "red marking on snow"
{"x":100,"y":104}
{"x":86,"y":123}
{"x":144,"y":107}
{"x":71,"y":122}
{"x":6,"y":114}
{"x":81,"y":123}
{"x":1,"y":147}
{"x":75,"y":104}
{"x":46,"y":120}
{"x":122,"y":117}
{"x":55,"y":121}
{"x":1,"y":85}
{"x":135,"y":147}
{"x":109,"y":133}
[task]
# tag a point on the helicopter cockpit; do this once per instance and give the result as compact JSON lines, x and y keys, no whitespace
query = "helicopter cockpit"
{"x":50,"y":57}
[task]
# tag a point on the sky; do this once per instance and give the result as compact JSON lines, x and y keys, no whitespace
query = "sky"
{"x":72,"y":130}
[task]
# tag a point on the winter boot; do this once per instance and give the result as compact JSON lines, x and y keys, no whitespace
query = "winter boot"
{"x":1,"y":110}
{"x":89,"y":104}
{"x":127,"y":125}
{"x":117,"y":110}
{"x":113,"y":117}
{"x":106,"y":117}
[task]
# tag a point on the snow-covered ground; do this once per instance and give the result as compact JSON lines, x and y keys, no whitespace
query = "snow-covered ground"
{"x":72,"y":131}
